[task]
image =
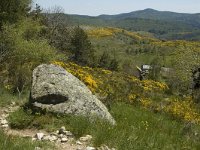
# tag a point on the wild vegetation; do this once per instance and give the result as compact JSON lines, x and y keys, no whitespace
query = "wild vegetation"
{"x":159,"y":112}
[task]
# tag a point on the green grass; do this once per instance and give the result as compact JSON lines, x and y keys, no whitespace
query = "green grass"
{"x":17,"y":143}
{"x":6,"y":98}
{"x":136,"y":128}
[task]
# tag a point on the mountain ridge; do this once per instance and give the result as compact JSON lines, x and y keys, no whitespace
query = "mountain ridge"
{"x":164,"y":24}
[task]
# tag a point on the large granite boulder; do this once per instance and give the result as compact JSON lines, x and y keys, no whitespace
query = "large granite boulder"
{"x":56,"y":90}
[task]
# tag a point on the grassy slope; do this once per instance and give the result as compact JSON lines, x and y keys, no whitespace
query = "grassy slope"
{"x":14,"y":142}
{"x":126,"y":46}
{"x":18,"y":143}
{"x":137,"y":48}
{"x":137,"y":128}
{"x":133,"y":104}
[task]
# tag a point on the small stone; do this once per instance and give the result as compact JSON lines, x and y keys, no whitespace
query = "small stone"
{"x":195,"y":133}
{"x":46,"y":138}
{"x":53,"y":138}
{"x":79,"y":143}
{"x":26,"y":136}
{"x":60,"y":136}
{"x":64,"y":140}
{"x":37,"y":148}
{"x":39,"y":136}
{"x":86,"y":138}
{"x":13,"y":103}
{"x":3,"y":122}
{"x":104,"y":147}
{"x":5,"y":126}
{"x":4,"y":116}
{"x":68,"y":133}
{"x":90,"y":148}
{"x":62,"y":130}
{"x":57,"y":132}
{"x":89,"y":137}
{"x":34,"y":139}
{"x":71,"y":140}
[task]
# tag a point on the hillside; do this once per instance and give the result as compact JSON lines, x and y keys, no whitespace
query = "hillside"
{"x":111,"y":82}
{"x":137,"y":48}
{"x":164,"y":24}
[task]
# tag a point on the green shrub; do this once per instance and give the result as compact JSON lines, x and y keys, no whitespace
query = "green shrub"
{"x":29,"y":50}
{"x":6,"y":98}
{"x":20,"y":119}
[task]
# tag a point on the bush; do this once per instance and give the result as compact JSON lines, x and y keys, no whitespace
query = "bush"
{"x":29,"y":50}
{"x":20,"y":119}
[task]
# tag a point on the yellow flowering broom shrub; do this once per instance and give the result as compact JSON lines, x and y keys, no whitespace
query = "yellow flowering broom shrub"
{"x":183,"y":109}
{"x":107,"y":82}
{"x":81,"y":73}
{"x":122,"y":87}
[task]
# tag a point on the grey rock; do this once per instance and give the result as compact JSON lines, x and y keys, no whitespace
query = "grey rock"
{"x":64,"y":140}
{"x":5,"y":126}
{"x":104,"y":147}
{"x":39,"y":136}
{"x":53,"y":138}
{"x":4,"y":116}
{"x":37,"y":148}
{"x":60,"y":136}
{"x":13,"y":103}
{"x":68,"y":133}
{"x":54,"y":134}
{"x":87,"y":138}
{"x":57,"y":132}
{"x":90,"y":148}
{"x":62,"y":130}
{"x":47,"y":138}
{"x":56,"y":90}
{"x":3,"y":122}
{"x":79,"y":143}
{"x":34,"y":139}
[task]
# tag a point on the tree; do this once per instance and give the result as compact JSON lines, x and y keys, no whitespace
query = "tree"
{"x":196,"y":84}
{"x":104,"y":60}
{"x":26,"y":54}
{"x":6,"y":46}
{"x":186,"y":57}
{"x":36,"y":13}
{"x":82,"y":48}
{"x":58,"y":33}
{"x":12,"y":10}
{"x":114,"y":65}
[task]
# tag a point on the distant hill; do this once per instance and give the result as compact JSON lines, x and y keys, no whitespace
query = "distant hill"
{"x":164,"y":24}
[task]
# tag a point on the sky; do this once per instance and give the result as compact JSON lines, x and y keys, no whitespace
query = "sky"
{"x":97,"y":7}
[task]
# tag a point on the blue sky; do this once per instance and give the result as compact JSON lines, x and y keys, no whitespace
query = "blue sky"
{"x":97,"y":7}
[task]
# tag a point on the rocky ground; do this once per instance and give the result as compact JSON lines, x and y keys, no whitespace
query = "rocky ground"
{"x":63,"y":139}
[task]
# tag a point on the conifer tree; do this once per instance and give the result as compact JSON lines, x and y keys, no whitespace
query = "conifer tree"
{"x":82,"y":48}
